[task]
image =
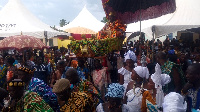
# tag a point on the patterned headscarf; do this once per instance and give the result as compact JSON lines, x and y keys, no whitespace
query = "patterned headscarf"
{"x":115,"y":90}
{"x":130,"y":55}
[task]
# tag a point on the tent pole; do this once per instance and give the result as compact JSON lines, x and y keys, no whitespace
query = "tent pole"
{"x":45,"y":36}
{"x":153,"y":33}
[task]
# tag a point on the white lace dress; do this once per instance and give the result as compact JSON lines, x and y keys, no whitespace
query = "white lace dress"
{"x":134,"y":101}
{"x":127,"y":77}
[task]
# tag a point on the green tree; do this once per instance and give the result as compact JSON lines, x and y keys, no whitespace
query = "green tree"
{"x":63,"y":22}
{"x":105,"y":20}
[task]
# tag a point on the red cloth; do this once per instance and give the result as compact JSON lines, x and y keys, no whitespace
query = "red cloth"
{"x":78,"y":36}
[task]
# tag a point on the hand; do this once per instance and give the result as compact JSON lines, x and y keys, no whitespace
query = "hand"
{"x":186,"y":87}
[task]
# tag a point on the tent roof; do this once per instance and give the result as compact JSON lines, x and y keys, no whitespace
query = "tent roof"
{"x":80,"y":30}
{"x":85,"y":19}
{"x":186,"y":16}
{"x":16,"y":19}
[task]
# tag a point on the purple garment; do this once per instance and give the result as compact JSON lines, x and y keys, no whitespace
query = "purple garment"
{"x":38,"y":86}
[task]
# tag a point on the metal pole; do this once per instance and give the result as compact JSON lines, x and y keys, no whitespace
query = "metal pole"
{"x":153,"y":30}
{"x":140,"y":19}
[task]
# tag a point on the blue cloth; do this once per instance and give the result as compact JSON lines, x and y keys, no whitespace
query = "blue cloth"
{"x":38,"y":86}
{"x":192,"y":96}
{"x":41,"y":72}
{"x":84,"y":70}
{"x":115,"y":90}
{"x":16,"y":62}
{"x":171,"y":52}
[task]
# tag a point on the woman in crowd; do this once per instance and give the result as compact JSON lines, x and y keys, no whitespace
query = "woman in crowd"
{"x":156,"y":81}
{"x":38,"y":86}
{"x":20,"y":101}
{"x":100,"y":77}
{"x":133,"y":96}
{"x":174,"y":71}
{"x":114,"y":95}
{"x":125,"y":72}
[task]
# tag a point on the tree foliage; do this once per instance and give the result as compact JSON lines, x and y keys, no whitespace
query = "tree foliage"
{"x":105,"y":20}
{"x":63,"y":22}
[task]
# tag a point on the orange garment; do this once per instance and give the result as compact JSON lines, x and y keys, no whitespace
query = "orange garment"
{"x":147,"y":96}
{"x":9,"y":75}
{"x":74,"y":63}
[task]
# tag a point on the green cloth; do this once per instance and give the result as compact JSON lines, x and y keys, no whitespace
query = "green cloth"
{"x":32,"y":102}
{"x":167,"y":69}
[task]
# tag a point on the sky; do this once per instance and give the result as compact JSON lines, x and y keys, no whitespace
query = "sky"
{"x":52,"y":11}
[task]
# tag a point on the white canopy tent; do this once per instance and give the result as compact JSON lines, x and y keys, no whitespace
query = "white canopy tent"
{"x":15,"y":19}
{"x":186,"y":16}
{"x":85,"y":19}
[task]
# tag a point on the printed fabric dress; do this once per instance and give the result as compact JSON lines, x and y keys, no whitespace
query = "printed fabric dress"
{"x":127,"y":77}
{"x":193,"y":98}
{"x":148,"y":103}
{"x":78,"y":102}
{"x":87,"y":87}
{"x":32,"y":102}
{"x":100,"y":78}
{"x":134,"y":101}
{"x":38,"y":86}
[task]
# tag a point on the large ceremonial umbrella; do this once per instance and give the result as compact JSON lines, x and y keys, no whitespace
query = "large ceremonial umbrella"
{"x":129,"y":11}
{"x":20,"y":42}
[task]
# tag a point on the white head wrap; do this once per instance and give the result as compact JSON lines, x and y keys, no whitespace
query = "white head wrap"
{"x":143,"y":72}
{"x":174,"y":102}
{"x":130,"y":55}
{"x":158,"y":78}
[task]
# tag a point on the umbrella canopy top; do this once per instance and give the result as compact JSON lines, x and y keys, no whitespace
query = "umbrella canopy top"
{"x":129,"y":11}
{"x":20,"y":42}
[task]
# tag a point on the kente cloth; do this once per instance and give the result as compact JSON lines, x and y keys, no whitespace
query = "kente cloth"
{"x":92,"y":92}
{"x":38,"y":86}
{"x":3,"y":69}
{"x":194,"y":98}
{"x":78,"y":102}
{"x":32,"y":102}
{"x":167,"y":69}
{"x":146,"y":96}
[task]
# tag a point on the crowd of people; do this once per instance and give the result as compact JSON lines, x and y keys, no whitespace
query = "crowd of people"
{"x":134,"y":79}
